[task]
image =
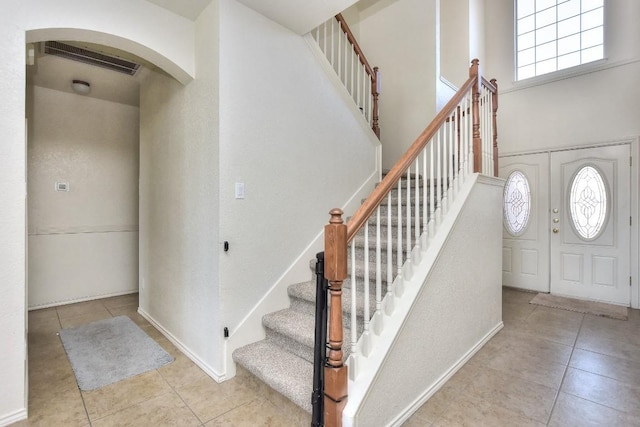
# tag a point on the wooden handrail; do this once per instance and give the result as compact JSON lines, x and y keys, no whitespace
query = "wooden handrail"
{"x":372,"y":72}
{"x":369,"y":206}
{"x":338,"y":234}
{"x":354,"y":43}
{"x":490,"y":84}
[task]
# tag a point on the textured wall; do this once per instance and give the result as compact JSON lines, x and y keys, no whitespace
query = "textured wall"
{"x":400,"y":38}
{"x":179,"y":208}
{"x":459,"y":305}
{"x":83,"y":243}
{"x":550,"y":112}
{"x":12,"y":214}
{"x":289,"y":136}
{"x":116,"y":23}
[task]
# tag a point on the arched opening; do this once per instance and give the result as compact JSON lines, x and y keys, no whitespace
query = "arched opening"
{"x":82,"y":170}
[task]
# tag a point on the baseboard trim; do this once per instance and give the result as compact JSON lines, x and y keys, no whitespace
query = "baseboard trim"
{"x":83,"y":299}
{"x":14,"y":417}
{"x":413,"y":407}
{"x":183,"y":349}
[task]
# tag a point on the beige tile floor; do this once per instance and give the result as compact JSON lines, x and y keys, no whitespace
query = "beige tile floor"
{"x":546,"y":367}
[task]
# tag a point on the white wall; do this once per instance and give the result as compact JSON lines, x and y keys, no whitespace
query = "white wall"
{"x":12,"y":215}
{"x":566,"y":110}
{"x":400,"y":38}
{"x":456,"y":310}
{"x":123,"y":26}
{"x":454,"y":41}
{"x":287,"y":133}
{"x":299,"y":17}
{"x":179,"y":202}
{"x":83,"y":243}
{"x":135,"y":26}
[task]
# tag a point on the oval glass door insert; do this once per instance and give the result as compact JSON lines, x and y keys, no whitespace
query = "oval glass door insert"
{"x":588,"y":202}
{"x":516,"y":203}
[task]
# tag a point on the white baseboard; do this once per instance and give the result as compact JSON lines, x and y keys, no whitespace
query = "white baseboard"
{"x":185,"y":350}
{"x":9,"y":419}
{"x":413,"y":407}
{"x":83,"y":299}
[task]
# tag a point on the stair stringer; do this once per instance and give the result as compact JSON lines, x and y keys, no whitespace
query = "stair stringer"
{"x":451,"y":306}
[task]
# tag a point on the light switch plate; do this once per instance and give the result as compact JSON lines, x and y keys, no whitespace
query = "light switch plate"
{"x":239,"y":190}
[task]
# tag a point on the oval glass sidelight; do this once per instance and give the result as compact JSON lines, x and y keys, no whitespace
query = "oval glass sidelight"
{"x":588,"y":202}
{"x":516,"y":203}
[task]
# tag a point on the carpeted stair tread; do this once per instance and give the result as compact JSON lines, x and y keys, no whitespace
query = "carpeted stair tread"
{"x":283,"y":371}
{"x":295,"y":331}
{"x":304,"y":299}
{"x":284,"y":360}
{"x":294,"y":324}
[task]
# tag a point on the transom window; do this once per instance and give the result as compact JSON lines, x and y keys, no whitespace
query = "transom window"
{"x":552,"y":35}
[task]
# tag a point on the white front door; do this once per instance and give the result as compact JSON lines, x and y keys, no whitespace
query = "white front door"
{"x":525,"y":249}
{"x":590,"y":223}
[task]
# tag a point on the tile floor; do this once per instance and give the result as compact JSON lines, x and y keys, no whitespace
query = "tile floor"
{"x":546,"y":367}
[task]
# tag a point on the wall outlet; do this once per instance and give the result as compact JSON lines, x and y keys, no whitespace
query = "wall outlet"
{"x":142,"y":283}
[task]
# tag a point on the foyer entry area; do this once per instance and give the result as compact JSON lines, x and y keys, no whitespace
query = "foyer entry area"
{"x":567,"y":223}
{"x":546,"y":367}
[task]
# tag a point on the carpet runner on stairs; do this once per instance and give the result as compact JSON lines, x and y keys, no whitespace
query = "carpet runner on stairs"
{"x":284,"y":359}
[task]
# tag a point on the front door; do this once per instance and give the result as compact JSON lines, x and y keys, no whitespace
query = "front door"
{"x":590,"y":223}
{"x":525,"y":250}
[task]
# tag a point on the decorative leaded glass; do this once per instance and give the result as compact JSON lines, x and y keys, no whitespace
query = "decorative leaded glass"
{"x":588,"y":202}
{"x":516,"y":202}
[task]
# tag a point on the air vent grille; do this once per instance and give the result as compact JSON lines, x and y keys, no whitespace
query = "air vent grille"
{"x":90,"y":57}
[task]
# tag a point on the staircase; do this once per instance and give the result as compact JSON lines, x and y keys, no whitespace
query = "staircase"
{"x":284,"y":359}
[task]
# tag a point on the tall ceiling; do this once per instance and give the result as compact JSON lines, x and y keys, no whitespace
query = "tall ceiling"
{"x":57,"y":73}
{"x":188,"y":8}
{"x":299,"y":16}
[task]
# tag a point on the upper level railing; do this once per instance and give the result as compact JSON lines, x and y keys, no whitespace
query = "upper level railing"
{"x":348,"y":61}
{"x":375,"y":251}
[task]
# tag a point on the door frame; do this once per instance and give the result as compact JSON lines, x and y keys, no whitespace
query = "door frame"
{"x":634,"y":250}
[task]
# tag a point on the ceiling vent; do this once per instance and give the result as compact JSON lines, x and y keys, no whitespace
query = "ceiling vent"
{"x":90,"y":57}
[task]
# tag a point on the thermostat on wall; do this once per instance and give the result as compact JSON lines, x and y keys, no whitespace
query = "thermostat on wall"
{"x":62,"y":186}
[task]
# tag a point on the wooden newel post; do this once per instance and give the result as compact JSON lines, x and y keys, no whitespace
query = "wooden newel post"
{"x":375,"y":94}
{"x":335,"y":271}
{"x":475,"y":111}
{"x":494,"y":101}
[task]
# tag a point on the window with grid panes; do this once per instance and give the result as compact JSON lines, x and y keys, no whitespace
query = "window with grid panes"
{"x":552,"y":35}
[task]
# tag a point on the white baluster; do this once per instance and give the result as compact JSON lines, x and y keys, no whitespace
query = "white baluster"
{"x":331,"y":42}
{"x":439,"y":177}
{"x":390,"y":303}
{"x":354,"y":315}
{"x":339,"y":53}
{"x":400,"y":288}
{"x":425,"y":201}
{"x":465,"y":145}
{"x":452,"y":156}
{"x":324,"y":41}
{"x":432,"y":187}
{"x":409,"y":209}
{"x":416,"y":227}
{"x":378,"y":314}
{"x":456,"y":150}
{"x":367,"y":315}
